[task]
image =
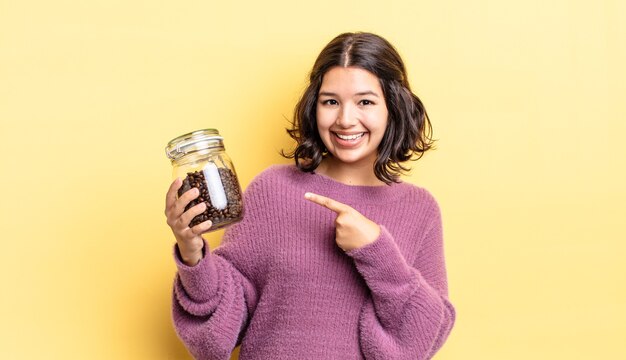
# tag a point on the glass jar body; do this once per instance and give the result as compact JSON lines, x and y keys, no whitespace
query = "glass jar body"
{"x":206,"y":166}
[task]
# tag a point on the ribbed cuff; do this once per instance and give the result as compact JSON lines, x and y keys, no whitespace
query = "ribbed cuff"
{"x":199,"y":281}
{"x":381,"y":263}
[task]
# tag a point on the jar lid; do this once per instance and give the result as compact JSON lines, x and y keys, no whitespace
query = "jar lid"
{"x":194,"y":141}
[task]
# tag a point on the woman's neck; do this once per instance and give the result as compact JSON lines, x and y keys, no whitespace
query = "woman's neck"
{"x":349,"y":174}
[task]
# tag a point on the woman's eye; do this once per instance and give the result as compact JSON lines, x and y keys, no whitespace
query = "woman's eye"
{"x":329,"y":102}
{"x":366,"y":102}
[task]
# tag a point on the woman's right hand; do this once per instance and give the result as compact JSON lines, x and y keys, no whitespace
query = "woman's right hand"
{"x":189,"y":240}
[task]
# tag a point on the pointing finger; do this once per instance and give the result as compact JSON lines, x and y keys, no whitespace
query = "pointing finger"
{"x":328,"y":203}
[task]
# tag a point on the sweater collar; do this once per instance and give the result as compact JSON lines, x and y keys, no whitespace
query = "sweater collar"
{"x":351,"y":194}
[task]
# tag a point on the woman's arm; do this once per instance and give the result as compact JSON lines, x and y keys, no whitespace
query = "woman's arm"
{"x":408,"y":315}
{"x":212,"y":303}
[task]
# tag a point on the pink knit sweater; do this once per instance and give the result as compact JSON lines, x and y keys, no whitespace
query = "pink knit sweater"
{"x":281,"y":287}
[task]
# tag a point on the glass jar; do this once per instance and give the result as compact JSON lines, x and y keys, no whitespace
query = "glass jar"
{"x":199,"y":159}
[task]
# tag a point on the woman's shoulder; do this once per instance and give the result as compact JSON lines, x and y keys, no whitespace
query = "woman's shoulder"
{"x":421,"y":196}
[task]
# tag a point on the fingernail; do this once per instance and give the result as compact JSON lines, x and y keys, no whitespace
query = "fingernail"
{"x":308,"y":195}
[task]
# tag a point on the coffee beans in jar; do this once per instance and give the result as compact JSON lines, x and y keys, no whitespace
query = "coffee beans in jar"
{"x":200,"y":160}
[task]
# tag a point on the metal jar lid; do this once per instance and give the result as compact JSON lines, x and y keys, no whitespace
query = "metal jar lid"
{"x":194,"y":141}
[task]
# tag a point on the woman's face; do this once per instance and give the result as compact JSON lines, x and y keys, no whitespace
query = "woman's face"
{"x":351,"y":114}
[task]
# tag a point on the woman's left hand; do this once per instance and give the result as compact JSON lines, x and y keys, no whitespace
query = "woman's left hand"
{"x":353,"y":230}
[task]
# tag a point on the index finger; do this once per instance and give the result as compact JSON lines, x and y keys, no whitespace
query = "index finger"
{"x":172,"y":193}
{"x":326,"y":202}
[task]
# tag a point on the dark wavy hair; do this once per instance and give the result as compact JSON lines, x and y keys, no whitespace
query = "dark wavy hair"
{"x":409,"y":132}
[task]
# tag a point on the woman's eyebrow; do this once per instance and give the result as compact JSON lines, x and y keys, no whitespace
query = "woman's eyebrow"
{"x":362,"y":93}
{"x":369,"y":92}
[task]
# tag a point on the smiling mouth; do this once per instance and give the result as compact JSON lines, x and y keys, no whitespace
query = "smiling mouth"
{"x":350,"y":137}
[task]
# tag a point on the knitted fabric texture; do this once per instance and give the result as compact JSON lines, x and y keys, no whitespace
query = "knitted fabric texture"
{"x":281,"y":287}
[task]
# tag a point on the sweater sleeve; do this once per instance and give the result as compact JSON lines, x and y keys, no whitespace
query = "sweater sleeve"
{"x":408,"y":315}
{"x":211,"y":304}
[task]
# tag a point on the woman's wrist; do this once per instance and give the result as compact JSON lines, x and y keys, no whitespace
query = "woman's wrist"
{"x":190,"y":257}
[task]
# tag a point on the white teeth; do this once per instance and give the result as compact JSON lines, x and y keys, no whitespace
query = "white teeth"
{"x":350,"y":137}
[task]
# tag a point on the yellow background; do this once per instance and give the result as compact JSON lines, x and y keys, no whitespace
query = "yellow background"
{"x":526,"y":99}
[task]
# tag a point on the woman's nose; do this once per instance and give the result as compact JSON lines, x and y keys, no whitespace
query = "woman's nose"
{"x":347,"y":117}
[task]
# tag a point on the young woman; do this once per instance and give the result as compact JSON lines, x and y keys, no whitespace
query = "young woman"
{"x":335,"y":258}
